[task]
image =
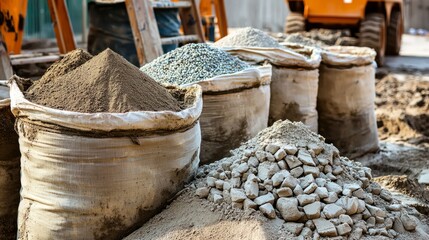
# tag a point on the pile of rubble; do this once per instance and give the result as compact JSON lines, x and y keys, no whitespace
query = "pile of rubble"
{"x":289,"y":172}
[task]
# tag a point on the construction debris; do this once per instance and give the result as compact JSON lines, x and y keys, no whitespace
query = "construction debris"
{"x":288,"y":172}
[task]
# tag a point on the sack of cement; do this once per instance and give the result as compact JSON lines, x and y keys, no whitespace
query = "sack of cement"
{"x":294,"y":74}
{"x":104,"y":147}
{"x":345,"y":100}
{"x":9,"y":169}
{"x":236,"y":96}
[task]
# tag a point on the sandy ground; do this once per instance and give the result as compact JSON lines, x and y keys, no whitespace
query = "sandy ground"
{"x":191,"y":218}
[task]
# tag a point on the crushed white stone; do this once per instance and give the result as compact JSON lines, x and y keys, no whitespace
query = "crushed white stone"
{"x":345,"y":204}
{"x":248,"y":37}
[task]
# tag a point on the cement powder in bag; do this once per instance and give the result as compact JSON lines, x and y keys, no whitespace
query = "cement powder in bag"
{"x":294,"y":81}
{"x":9,"y":172}
{"x":346,"y":101}
{"x":236,"y":108}
{"x":98,"y":184}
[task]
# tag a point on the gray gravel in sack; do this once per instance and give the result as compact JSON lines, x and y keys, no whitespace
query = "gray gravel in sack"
{"x":192,"y":63}
{"x":248,"y":37}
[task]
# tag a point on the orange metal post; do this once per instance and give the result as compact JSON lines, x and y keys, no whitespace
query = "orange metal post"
{"x":62,"y":25}
{"x":12,"y":25}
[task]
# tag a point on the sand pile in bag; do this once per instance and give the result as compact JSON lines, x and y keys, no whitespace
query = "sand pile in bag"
{"x":105,"y":83}
{"x":288,"y":172}
{"x":192,"y":63}
{"x":68,"y":63}
{"x":248,"y":37}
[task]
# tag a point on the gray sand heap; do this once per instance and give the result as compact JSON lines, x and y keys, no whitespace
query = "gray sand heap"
{"x":192,"y":63}
{"x":104,"y":83}
{"x":303,"y":40}
{"x":289,"y":172}
{"x":248,"y":37}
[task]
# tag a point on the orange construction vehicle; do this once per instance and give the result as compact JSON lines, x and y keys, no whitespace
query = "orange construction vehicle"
{"x":377,"y":23}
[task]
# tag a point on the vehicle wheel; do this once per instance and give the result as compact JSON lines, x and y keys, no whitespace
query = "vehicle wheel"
{"x":373,"y":35}
{"x":394,"y":34}
{"x":295,"y":22}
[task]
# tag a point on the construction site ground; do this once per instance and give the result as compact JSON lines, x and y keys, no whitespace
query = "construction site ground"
{"x":402,"y":107}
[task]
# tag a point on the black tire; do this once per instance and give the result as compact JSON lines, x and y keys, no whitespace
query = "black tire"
{"x":295,"y":22}
{"x":373,"y":35}
{"x":394,"y":34}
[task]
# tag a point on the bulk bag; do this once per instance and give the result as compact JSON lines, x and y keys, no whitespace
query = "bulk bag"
{"x":236,"y":108}
{"x":101,"y":175}
{"x":294,"y":81}
{"x":9,"y":169}
{"x":345,"y":100}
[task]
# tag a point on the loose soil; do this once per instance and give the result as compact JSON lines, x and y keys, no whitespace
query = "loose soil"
{"x":403,"y":110}
{"x":192,"y":218}
{"x":402,"y":103}
{"x":68,"y":63}
{"x":105,"y":83}
{"x":7,"y":124}
{"x":9,"y":151}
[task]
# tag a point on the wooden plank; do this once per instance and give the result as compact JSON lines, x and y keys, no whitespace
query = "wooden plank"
{"x":180,"y":39}
{"x":191,"y":21}
{"x":31,"y":60}
{"x":145,"y":30}
{"x":62,"y":25}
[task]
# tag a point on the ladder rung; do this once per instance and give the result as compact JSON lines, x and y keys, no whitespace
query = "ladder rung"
{"x":180,"y":39}
{"x":30,"y":60}
{"x":183,"y":4}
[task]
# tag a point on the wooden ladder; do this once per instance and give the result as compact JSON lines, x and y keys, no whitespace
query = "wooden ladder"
{"x":145,"y":29}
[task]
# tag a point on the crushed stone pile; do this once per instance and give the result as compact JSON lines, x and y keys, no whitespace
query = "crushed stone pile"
{"x":248,"y":37}
{"x":104,"y":83}
{"x":303,"y":40}
{"x":192,"y":63}
{"x":289,"y":172}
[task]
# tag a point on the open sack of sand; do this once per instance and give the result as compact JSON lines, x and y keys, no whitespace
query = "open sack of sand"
{"x":294,"y":75}
{"x":346,"y":98}
{"x":104,"y":147}
{"x":9,"y":169}
{"x":236,"y":96}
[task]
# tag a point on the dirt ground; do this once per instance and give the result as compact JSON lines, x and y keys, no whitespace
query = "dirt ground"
{"x":402,"y":108}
